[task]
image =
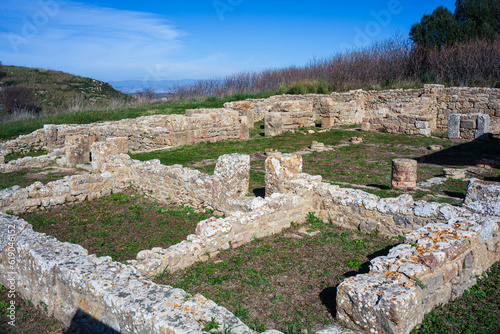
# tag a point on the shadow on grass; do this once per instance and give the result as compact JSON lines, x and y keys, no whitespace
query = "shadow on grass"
{"x":380,"y":186}
{"x":328,"y":296}
{"x":83,"y":323}
{"x":469,"y":153}
{"x":259,"y":192}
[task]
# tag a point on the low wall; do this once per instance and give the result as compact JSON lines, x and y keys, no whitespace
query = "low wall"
{"x":97,"y":292}
{"x":27,"y":162}
{"x":445,"y":246}
{"x":144,"y":133}
{"x":436,"y":264}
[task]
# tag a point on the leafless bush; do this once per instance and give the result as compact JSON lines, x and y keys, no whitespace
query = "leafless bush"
{"x":147,"y":94}
{"x":18,"y":99}
{"x":393,"y":62}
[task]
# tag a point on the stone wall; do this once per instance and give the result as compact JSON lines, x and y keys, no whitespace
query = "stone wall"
{"x":468,"y":126}
{"x":98,"y":293}
{"x":412,"y":111}
{"x":143,"y":133}
{"x":445,"y":246}
{"x":436,"y":264}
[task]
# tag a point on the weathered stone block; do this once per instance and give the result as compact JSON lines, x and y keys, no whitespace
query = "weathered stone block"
{"x":50,"y":136}
{"x":121,"y":144}
{"x":454,"y":126}
{"x":231,"y":177}
{"x":468,"y":124}
{"x":273,"y":124}
{"x":483,"y":197}
{"x":404,"y":174}
{"x":279,"y":169}
{"x":483,"y":126}
{"x":244,"y":128}
{"x":77,"y":150}
{"x":2,"y":159}
{"x":373,"y":304}
{"x":100,"y":151}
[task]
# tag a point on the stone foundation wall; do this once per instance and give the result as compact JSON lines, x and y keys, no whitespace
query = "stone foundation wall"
{"x":97,"y":293}
{"x":436,"y":264}
{"x":27,"y":162}
{"x":143,"y":133}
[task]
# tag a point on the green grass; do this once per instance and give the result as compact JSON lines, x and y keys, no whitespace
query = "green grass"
{"x":28,"y":153}
{"x":14,"y":129}
{"x":282,"y":282}
{"x":26,"y":177}
{"x":55,"y":89}
{"x":477,"y":311}
{"x":119,"y":225}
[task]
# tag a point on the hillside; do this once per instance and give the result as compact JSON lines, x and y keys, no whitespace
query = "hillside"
{"x":59,"y":91}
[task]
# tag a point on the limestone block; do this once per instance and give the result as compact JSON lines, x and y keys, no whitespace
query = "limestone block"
{"x":244,"y":127}
{"x":404,"y":174}
{"x":51,"y":136}
{"x":279,"y":169}
{"x":327,"y":121}
{"x":483,"y":197}
{"x":273,"y":124}
{"x":2,"y":159}
{"x":421,"y":125}
{"x":454,"y":126}
{"x":121,"y":144}
{"x":452,"y":173}
{"x":77,"y":150}
{"x":231,"y":177}
{"x":374,"y":304}
{"x":365,"y":126}
{"x":483,"y":126}
{"x":100,"y":152}
{"x":293,"y":106}
{"x":468,"y":124}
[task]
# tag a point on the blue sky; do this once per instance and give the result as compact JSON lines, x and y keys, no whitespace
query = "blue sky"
{"x":114,"y":40}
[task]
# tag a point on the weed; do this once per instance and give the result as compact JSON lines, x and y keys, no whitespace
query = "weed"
{"x":212,"y":324}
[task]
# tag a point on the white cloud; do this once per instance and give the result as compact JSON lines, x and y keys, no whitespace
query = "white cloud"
{"x":105,"y":43}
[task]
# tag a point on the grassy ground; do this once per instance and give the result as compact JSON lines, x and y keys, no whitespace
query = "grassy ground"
{"x":119,"y":225}
{"x":29,"y":176}
{"x":349,"y":165}
{"x":29,"y":319}
{"x":14,"y":129}
{"x":476,"y":311}
{"x":286,"y":281}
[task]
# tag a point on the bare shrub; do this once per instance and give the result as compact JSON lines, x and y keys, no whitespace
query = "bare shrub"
{"x":17,"y":99}
{"x":386,"y":64}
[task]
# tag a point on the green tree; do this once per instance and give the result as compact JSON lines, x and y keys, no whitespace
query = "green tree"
{"x":437,"y":29}
{"x":478,"y":18}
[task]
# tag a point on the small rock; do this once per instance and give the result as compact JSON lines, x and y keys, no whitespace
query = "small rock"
{"x":311,"y":131}
{"x":356,"y":140}
{"x":435,"y":148}
{"x":452,"y":173}
{"x":293,"y":236}
{"x":304,"y":231}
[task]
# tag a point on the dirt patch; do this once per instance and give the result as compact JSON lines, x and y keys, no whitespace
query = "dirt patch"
{"x":119,"y":225}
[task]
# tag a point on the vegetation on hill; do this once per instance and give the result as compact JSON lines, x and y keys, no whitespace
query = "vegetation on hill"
{"x":32,"y":90}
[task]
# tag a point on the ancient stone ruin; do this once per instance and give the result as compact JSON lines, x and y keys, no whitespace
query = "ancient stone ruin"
{"x":445,"y":247}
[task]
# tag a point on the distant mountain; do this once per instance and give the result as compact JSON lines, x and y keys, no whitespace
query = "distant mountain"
{"x":161,"y":86}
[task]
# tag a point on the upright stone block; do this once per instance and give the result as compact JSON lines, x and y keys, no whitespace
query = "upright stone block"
{"x":100,"y":151}
{"x":121,"y":144}
{"x":2,"y":159}
{"x":50,"y":136}
{"x":483,"y":126}
{"x":454,"y":126}
{"x":77,"y":150}
{"x":483,"y":197}
{"x":231,"y":177}
{"x":404,"y":174}
{"x":244,"y":128}
{"x":273,"y":124}
{"x":279,"y":169}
